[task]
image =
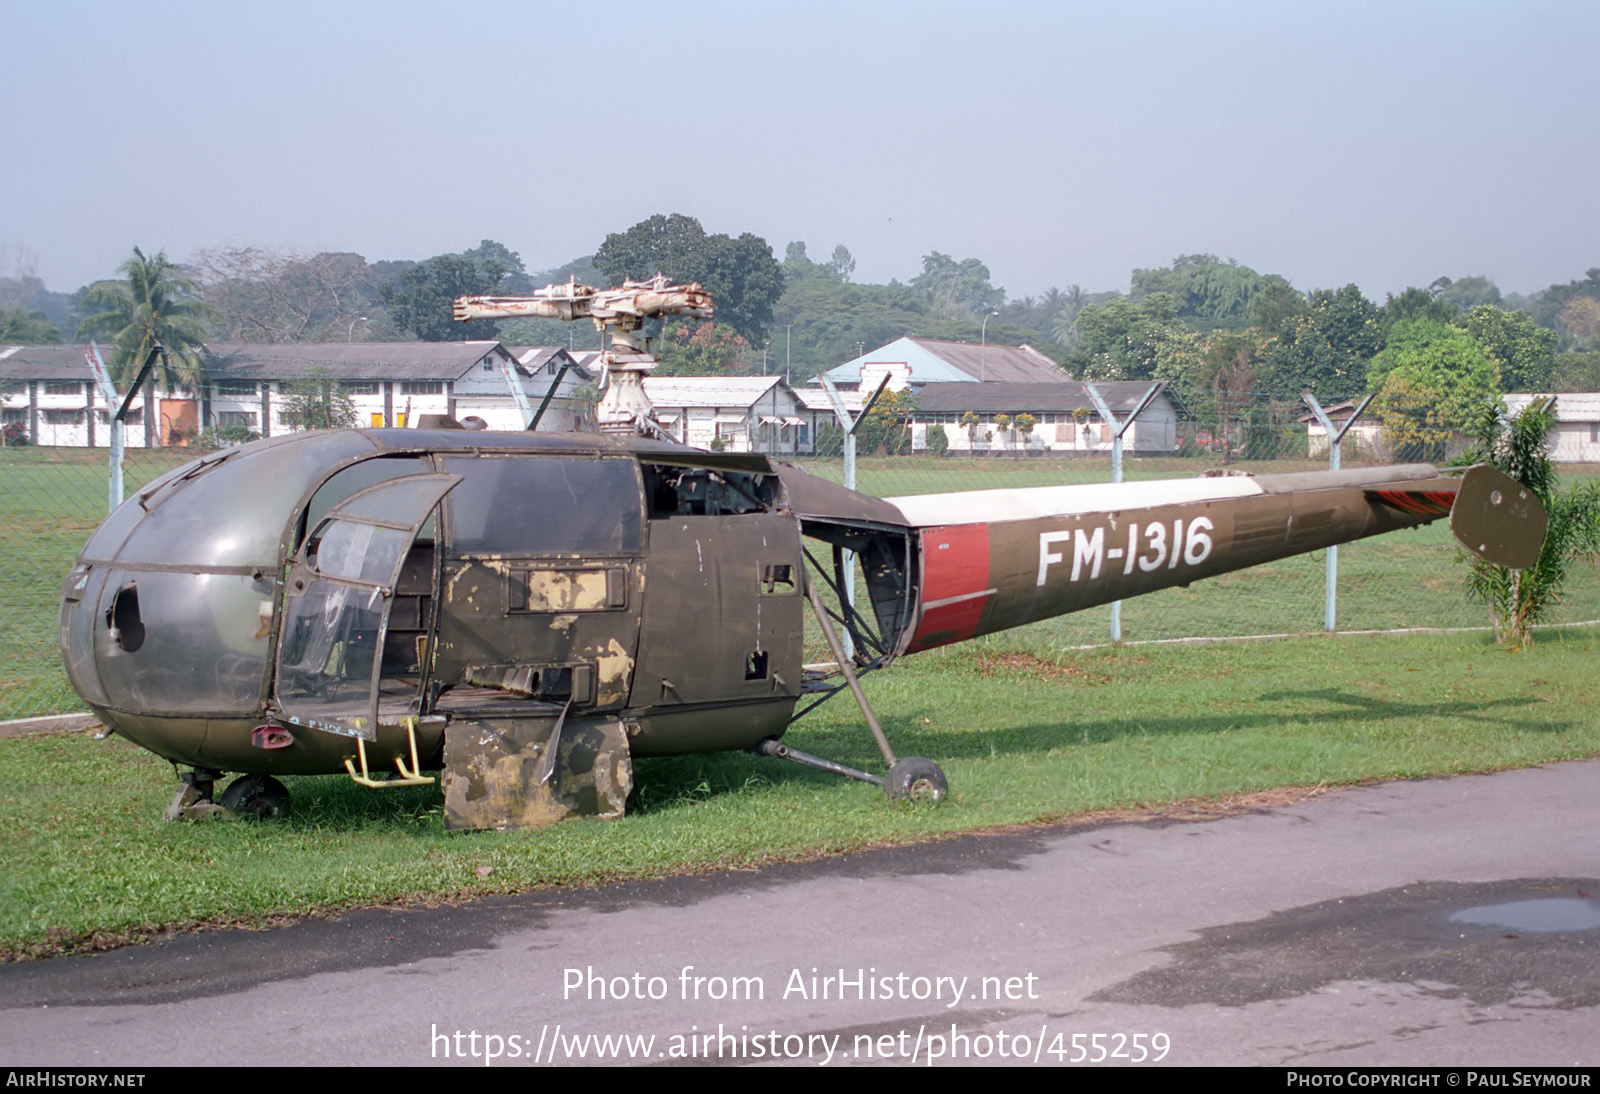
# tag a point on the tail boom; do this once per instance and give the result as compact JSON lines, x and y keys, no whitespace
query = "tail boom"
{"x":992,"y":560}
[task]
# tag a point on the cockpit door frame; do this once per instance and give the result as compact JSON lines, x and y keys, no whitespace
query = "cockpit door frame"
{"x":338,"y":595}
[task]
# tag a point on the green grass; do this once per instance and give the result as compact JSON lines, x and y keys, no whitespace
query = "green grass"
{"x":85,"y":859}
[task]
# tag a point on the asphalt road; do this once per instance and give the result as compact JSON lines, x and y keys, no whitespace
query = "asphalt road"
{"x":1339,"y":931}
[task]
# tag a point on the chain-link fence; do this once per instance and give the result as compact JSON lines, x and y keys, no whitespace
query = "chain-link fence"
{"x":51,"y":499}
{"x":1410,"y":579}
{"x":54,"y":497}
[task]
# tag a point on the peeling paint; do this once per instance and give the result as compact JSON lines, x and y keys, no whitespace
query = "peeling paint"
{"x":566,"y":590}
{"x":613,"y":666}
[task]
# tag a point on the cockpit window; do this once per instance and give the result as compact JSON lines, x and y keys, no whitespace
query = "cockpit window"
{"x":359,"y":476}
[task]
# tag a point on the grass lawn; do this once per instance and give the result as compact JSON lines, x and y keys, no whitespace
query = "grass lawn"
{"x":1025,"y":737}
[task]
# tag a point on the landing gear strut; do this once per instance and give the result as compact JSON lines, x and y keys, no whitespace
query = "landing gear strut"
{"x":910,"y":779}
{"x":194,"y":797}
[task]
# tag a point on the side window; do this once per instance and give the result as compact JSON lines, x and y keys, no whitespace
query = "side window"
{"x":701,"y":492}
{"x":542,"y":505}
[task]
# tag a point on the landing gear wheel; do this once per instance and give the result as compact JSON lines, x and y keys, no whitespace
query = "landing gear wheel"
{"x":915,"y":779}
{"x":255,"y":796}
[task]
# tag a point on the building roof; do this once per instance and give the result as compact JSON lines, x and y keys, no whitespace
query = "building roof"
{"x":1053,"y":398}
{"x":1577,"y":406}
{"x":708,"y":391}
{"x":931,"y":360}
{"x":43,"y":363}
{"x":815,"y":398}
{"x":347,"y":360}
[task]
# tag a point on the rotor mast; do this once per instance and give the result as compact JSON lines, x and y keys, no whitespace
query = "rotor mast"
{"x":620,"y":313}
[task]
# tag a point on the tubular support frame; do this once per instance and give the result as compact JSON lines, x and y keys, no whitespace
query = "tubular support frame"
{"x":413,"y":777}
{"x":848,"y":669}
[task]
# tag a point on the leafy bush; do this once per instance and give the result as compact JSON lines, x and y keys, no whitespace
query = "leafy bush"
{"x":1520,"y":599}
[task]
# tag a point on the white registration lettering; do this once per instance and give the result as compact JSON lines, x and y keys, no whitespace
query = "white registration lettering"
{"x":1047,"y":557}
{"x":1087,"y":547}
{"x":1158,"y":547}
{"x":1198,"y":546}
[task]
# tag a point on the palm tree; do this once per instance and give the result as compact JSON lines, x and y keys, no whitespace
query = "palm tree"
{"x":1067,"y":313}
{"x":154,"y":311}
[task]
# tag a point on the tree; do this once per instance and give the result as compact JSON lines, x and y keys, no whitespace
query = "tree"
{"x":743,"y":278}
{"x":1579,"y":322}
{"x":155,"y":307}
{"x":954,"y":288}
{"x":885,"y":425}
{"x":27,"y":328}
{"x":1526,"y":353}
{"x":1203,"y":288}
{"x":316,"y":402}
{"x":1432,"y":382}
{"x":1466,"y":293}
{"x":709,"y":349}
{"x":1120,"y":340}
{"x":262,"y":295}
{"x":843,"y":264}
{"x":1520,"y":599}
{"x":1416,"y":303}
{"x":1325,"y":349}
{"x":1064,"y":321}
{"x":420,"y":300}
{"x":1276,"y":303}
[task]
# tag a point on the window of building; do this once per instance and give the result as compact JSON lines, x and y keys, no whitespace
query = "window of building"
{"x":422,"y":387}
{"x":63,"y":417}
{"x":237,"y":387}
{"x":245,"y":418}
{"x":11,"y":415}
{"x":359,"y":387}
{"x":63,"y":387}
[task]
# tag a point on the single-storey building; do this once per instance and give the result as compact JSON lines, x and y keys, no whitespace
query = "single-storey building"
{"x":1364,"y":439}
{"x":1576,"y":436}
{"x":48,"y":391}
{"x":982,"y":419}
{"x":732,"y":413}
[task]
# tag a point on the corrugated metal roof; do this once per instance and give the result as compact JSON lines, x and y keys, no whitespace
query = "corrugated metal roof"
{"x":1053,"y":398}
{"x":1578,"y":406}
{"x":348,"y":360}
{"x":704,"y":391}
{"x":43,"y":363}
{"x":931,"y":360}
{"x":814,"y":398}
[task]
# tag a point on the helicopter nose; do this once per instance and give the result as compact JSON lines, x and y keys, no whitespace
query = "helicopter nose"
{"x":79,"y":598}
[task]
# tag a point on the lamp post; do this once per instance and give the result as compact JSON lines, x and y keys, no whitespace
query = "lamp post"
{"x":350,"y":334}
{"x":983,"y":349}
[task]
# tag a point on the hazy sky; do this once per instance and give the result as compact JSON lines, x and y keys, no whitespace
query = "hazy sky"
{"x":1382,"y":143}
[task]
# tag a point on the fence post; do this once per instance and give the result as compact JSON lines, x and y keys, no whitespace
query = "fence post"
{"x":102,"y":379}
{"x":1330,"y":606}
{"x":1119,"y":428}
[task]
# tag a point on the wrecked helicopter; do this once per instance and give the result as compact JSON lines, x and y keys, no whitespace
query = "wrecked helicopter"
{"x":525,"y":613}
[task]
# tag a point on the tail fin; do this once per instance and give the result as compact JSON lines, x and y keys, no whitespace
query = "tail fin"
{"x":1498,"y":519}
